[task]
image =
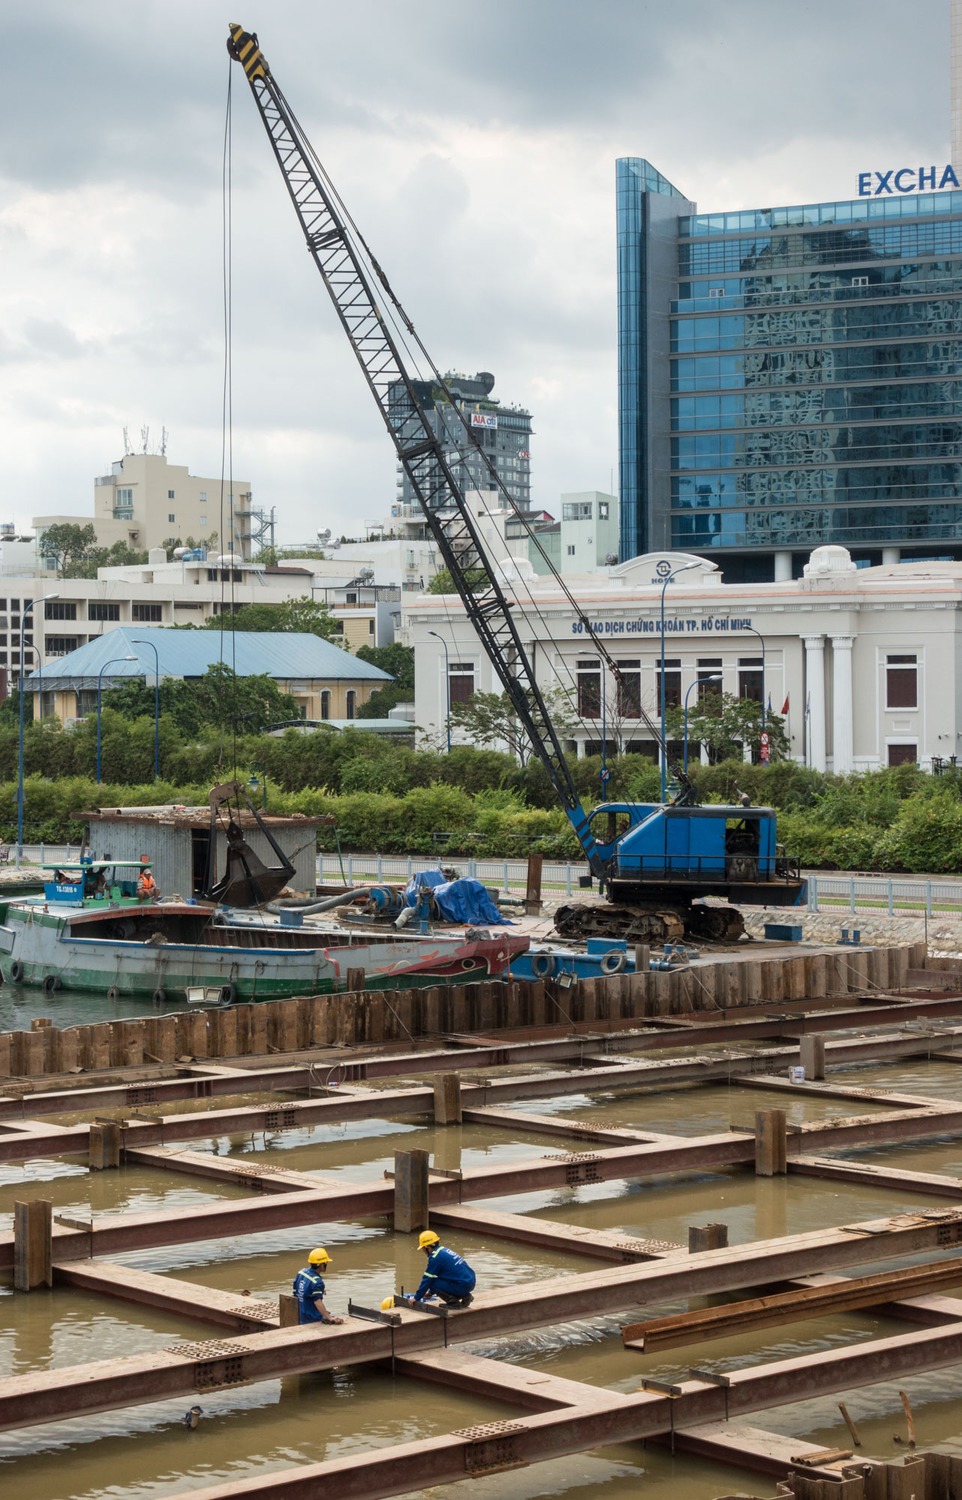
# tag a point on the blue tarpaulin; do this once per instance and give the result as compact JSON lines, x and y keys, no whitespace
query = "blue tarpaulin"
{"x":458,"y":900}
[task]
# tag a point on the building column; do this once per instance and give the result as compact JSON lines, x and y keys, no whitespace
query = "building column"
{"x":783,"y":567}
{"x":890,"y":556}
{"x":815,"y":701}
{"x":843,"y":744}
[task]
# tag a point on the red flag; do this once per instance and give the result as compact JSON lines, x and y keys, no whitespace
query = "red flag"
{"x":785,"y":706}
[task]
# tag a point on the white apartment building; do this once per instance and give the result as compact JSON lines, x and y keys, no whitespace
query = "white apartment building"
{"x":866,"y":662}
{"x":146,"y":502}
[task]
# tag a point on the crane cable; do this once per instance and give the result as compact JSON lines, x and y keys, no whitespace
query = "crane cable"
{"x":226,"y":444}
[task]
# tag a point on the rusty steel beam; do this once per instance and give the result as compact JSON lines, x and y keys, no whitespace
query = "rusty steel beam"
{"x":513,"y":1119}
{"x":898,"y":1179}
{"x":165,"y":1294}
{"x":566,"y":1239}
{"x":537,"y":1390}
{"x":31,"y":1140}
{"x":497,"y":1447}
{"x":115,"y":1234}
{"x":181,"y":1369}
{"x":815,"y":1089}
{"x":708,"y":1323}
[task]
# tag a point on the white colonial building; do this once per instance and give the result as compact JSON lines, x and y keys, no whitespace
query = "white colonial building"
{"x":865,"y":662}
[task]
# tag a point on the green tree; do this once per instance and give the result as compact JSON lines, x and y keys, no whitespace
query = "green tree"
{"x":490,"y":719}
{"x":305,"y":616}
{"x":725,"y":722}
{"x":66,"y":545}
{"x":399,"y":661}
{"x":443,"y":583}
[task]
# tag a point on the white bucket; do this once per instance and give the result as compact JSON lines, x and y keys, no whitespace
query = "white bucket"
{"x":796,"y":1075}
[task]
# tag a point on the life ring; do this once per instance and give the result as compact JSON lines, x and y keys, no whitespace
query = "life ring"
{"x":613,"y":963}
{"x":159,"y":997}
{"x":543,"y":965}
{"x":16,"y":971}
{"x":51,"y":984}
{"x":228,"y":994}
{"x":113,"y":993}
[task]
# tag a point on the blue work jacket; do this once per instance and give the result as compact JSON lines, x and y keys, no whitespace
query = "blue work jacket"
{"x":308,"y":1284}
{"x":445,"y":1272}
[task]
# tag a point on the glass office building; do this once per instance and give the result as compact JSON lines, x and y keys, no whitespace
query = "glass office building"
{"x":789,"y":377}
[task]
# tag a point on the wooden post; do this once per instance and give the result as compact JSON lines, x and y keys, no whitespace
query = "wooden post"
{"x":707,"y":1237}
{"x":410,"y":1191}
{"x":447,"y":1099}
{"x":355,"y":979}
{"x":287,"y":1310}
{"x":642,"y":958}
{"x":32,"y":1253}
{"x":812,"y":1055}
{"x":104,"y":1145}
{"x":532,"y":895}
{"x":770,"y":1143}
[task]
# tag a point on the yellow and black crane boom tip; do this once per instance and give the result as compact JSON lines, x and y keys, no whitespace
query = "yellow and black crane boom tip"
{"x":243,"y":48}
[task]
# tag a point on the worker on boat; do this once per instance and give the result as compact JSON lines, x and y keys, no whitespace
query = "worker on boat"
{"x":147,"y":889}
{"x":446,"y":1275}
{"x":309,"y":1290}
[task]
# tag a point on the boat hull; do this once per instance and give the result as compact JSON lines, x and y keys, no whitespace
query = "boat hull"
{"x":40,"y":947}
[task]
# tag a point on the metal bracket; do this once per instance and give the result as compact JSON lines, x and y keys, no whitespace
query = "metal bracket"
{"x":372,"y":1314}
{"x":663,"y":1388}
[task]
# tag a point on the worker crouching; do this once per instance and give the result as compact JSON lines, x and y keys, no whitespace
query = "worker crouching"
{"x":446,"y":1275}
{"x":147,"y":888}
{"x":309,"y":1290}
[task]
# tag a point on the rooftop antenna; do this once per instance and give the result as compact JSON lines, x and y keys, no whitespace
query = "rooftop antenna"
{"x":126,"y":442}
{"x":144,"y":438}
{"x":163,"y":441}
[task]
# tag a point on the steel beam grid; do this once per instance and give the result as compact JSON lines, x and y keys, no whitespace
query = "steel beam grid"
{"x":576,"y":1419}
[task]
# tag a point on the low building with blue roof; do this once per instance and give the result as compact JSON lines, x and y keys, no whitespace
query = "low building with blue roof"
{"x":325,"y":682}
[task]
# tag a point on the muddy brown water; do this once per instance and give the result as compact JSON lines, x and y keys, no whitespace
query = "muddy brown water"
{"x":255,"y":1430}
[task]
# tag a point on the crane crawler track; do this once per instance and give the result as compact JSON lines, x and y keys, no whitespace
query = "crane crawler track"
{"x":601,"y":919}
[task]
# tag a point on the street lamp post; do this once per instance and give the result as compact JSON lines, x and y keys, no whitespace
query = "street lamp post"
{"x":697,"y":683}
{"x":447,"y":682}
{"x":156,"y":704}
{"x":664,"y":742}
{"x":113,"y":660}
{"x":762,"y":641}
{"x":23,"y":616}
{"x":604,"y":736}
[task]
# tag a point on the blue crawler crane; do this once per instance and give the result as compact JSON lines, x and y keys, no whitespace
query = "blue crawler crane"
{"x":653,"y":864}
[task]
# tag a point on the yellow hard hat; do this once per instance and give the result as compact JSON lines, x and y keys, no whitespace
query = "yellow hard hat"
{"x":318,"y":1257}
{"x":387,"y":1304}
{"x":427,"y":1237}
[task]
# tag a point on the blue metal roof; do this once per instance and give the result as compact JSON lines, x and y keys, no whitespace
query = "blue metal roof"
{"x":188,"y":653}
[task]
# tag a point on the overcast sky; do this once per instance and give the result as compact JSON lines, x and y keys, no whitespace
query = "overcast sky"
{"x":474,"y":146}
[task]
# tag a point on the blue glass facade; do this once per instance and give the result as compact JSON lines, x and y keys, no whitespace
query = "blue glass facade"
{"x":814,"y":361}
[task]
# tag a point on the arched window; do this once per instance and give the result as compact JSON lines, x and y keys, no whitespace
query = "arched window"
{"x":351,"y":699}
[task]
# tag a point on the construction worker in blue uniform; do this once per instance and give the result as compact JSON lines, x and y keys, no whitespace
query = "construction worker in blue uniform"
{"x":446,"y":1275}
{"x":309,"y":1290}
